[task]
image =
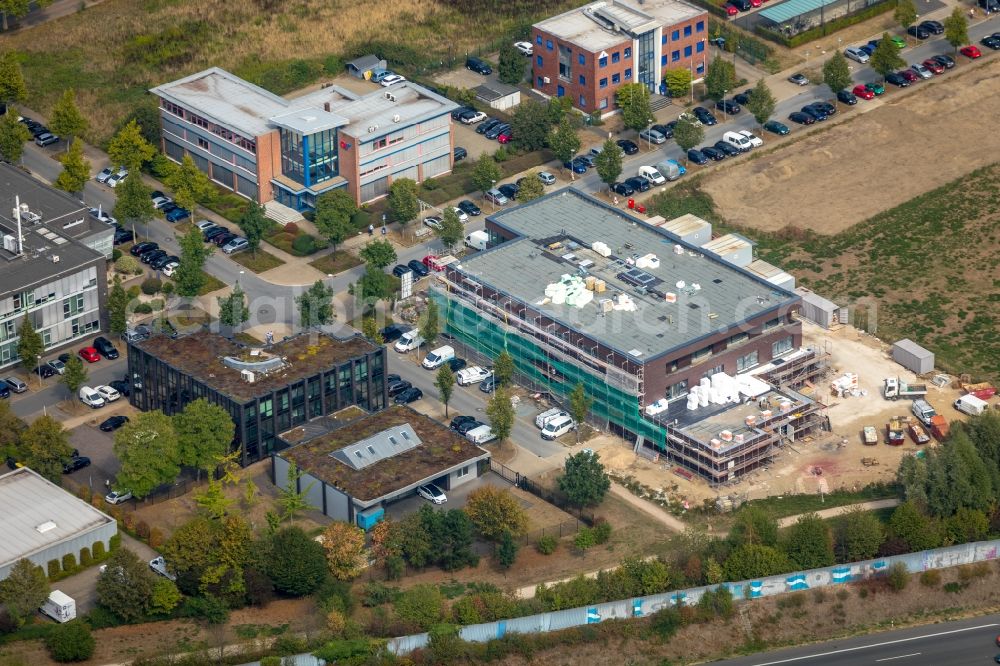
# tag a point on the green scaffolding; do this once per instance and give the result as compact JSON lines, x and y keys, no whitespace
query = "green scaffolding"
{"x":488,"y":337}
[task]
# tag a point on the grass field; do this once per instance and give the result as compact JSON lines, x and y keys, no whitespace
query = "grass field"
{"x":335,"y":262}
{"x":257,"y":262}
{"x":112,"y":53}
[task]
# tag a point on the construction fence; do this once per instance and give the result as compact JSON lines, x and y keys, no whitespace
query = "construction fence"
{"x":939,"y":558}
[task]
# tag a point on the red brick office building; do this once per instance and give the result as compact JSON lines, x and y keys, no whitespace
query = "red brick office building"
{"x":587,"y":53}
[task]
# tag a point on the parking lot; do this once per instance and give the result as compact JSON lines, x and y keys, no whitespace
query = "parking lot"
{"x":456,"y":498}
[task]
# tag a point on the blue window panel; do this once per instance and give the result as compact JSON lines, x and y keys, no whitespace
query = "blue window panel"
{"x":583,"y":102}
{"x":616,"y":56}
{"x":701,"y":68}
{"x":548,"y":44}
{"x":616,"y":78}
{"x":582,"y":59}
{"x":675,"y":35}
{"x":687,"y":31}
{"x":663,"y":39}
{"x":628,"y":73}
{"x":687,"y":51}
{"x":628,"y":53}
{"x":583,"y":80}
{"x":539,"y":82}
{"x":604,"y":82}
{"x":538,"y":60}
{"x":604,"y":102}
{"x":603,"y":62}
{"x":699,"y":26}
{"x":700,"y":47}
{"x":663,"y":60}
{"x":560,"y":92}
{"x":675,"y":56}
{"x":538,"y":39}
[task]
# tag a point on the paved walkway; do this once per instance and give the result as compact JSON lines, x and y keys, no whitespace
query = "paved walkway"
{"x":841,"y":510}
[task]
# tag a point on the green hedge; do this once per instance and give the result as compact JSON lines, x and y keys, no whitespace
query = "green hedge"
{"x":825,"y":29}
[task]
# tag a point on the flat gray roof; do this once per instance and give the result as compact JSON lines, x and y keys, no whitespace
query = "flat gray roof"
{"x":786,"y":11}
{"x":38,"y":514}
{"x":713,"y":296}
{"x":52,"y":222}
{"x":591,"y":26}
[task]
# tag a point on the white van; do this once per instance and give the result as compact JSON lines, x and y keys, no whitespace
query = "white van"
{"x":410,"y":341}
{"x":737,"y":141}
{"x":923,"y":411}
{"x":652,"y":175}
{"x":90,"y":397}
{"x":438,"y":357}
{"x":547,"y":416}
{"x":477,"y":240}
{"x":557,"y":427}
{"x":971,"y":405}
{"x":59,"y":606}
{"x":480,"y":435}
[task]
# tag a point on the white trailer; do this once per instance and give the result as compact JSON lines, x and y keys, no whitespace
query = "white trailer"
{"x":59,"y":606}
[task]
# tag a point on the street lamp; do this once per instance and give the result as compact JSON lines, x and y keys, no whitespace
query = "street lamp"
{"x":725,"y":115}
{"x":493,"y":201}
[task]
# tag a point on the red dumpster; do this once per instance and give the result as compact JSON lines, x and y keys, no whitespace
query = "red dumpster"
{"x":631,"y":203}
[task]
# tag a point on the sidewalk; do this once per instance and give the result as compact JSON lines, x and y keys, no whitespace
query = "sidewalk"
{"x":841,"y":510}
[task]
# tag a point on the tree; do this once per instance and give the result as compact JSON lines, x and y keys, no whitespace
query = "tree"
{"x":45,"y":447}
{"x":204,"y":434}
{"x":451,"y":229}
{"x":430,"y":324}
{"x":584,"y":481}
{"x":345,"y":549}
{"x":125,"y":587}
{"x":233,"y":310}
{"x":12,"y":87}
{"x":495,"y":512}
{"x":755,"y":561}
{"x":212,"y":502}
{"x":378,"y":253}
{"x":579,"y":406}
{"x":190,"y":185}
{"x":209,"y":555}
{"x":29,"y":345}
{"x":66,"y":119}
{"x":905,"y":13}
{"x":130,"y":148}
{"x":503,"y":369}
{"x":421,"y":606}
{"x":688,"y":135}
{"x":754,"y":525}
{"x":70,"y":642}
{"x":956,"y":28}
{"x":885,"y":59}
{"x":531,"y":188}
{"x":501,"y":414}
{"x":13,"y":135}
{"x":76,"y":169}
{"x":166,"y":596}
{"x":374,"y":285}
{"x":678,"y":81}
{"x":369,"y":328}
{"x":147,"y":448}
{"x":859,"y":535}
{"x":133,"y":203}
{"x":74,"y":376}
{"x":403,"y":201}
{"x":633,"y":99}
{"x":836,"y":73}
{"x":584,"y":540}
{"x":609,"y":163}
{"x":531,"y":123}
{"x":445,"y":383}
{"x":809,"y":542}
{"x":511,"y":69}
{"x":11,"y":428}
{"x":957,"y":477}
{"x":295,"y":563}
{"x":315,"y":305}
{"x":450,"y":536}
{"x":254,"y":224}
{"x":564,"y":141}
{"x":720,"y":78}
{"x":332,"y":216}
{"x":486,"y":172}
{"x":507,"y":552}
{"x":190,"y":276}
{"x":914,"y":528}
{"x":557,"y":109}
{"x":23,"y":590}
{"x":290,"y":498}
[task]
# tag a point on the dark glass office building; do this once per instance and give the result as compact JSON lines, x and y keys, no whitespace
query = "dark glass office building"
{"x":266,"y":390}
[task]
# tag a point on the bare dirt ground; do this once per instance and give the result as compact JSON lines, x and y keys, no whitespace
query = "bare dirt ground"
{"x":915,"y":141}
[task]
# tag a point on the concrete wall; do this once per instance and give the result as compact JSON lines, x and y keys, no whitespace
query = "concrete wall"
{"x":747,"y":589}
{"x":72,"y":546}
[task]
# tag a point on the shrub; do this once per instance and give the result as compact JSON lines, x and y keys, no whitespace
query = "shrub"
{"x":143,"y":308}
{"x":602,"y":531}
{"x":819,"y":595}
{"x":68,"y":562}
{"x":290,"y":644}
{"x":394,"y":567}
{"x":666,"y":622}
{"x":501,"y":154}
{"x":98,"y":550}
{"x":168,"y":288}
{"x":155,"y":538}
{"x":843,"y":594}
{"x":376,"y":594}
{"x":7,"y":623}
{"x":930,"y":578}
{"x":142,"y":529}
{"x":156,"y":304}
{"x":116,"y":254}
{"x":70,"y":642}
{"x":128,"y":265}
{"x":420,"y":606}
{"x":430,"y":184}
{"x":133,"y":291}
{"x":291,"y":228}
{"x":547,"y":544}
{"x":151,"y":285}
{"x":85,"y":557}
{"x":211,"y":609}
{"x":270,"y":661}
{"x":128,"y":520}
{"x":335,"y":623}
{"x":360,"y":220}
{"x":954,"y":587}
{"x":304,"y":244}
{"x":53,"y":568}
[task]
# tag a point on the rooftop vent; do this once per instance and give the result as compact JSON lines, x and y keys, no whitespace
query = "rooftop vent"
{"x":395,"y":118}
{"x":248,"y":376}
{"x":389,"y":96}
{"x":45,"y":527}
{"x":55,"y":258}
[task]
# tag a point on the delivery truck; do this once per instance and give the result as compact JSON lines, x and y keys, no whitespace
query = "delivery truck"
{"x":896,"y":388}
{"x":59,"y":606}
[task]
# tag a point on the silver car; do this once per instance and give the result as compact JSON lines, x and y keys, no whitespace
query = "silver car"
{"x":497,"y":197}
{"x":432,"y":493}
{"x":235,"y":245}
{"x":546,"y":178}
{"x":857,"y":55}
{"x":652,"y":136}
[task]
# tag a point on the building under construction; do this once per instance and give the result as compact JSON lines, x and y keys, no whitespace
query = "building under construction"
{"x":578,"y":291}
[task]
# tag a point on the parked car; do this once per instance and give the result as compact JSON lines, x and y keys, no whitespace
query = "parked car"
{"x":945,"y":61}
{"x":397,"y":387}
{"x":576,"y":165}
{"x":108,"y":393}
{"x":495,"y":196}
{"x":44,"y":371}
{"x":713,"y":153}
{"x":863,"y":92}
{"x":89,"y":354}
{"x":496,"y":131}
{"x":16,"y":385}
{"x":729,"y":150}
{"x":826,"y":107}
{"x":75,"y":463}
{"x":921,"y":71}
{"x":417,"y":267}
{"x":411,"y":394}
{"x":473,"y":118}
{"x":652,"y":136}
{"x":4,"y":389}
{"x":163,"y":262}
{"x":112,"y":423}
{"x":509,"y":190}
{"x":117,"y":177}
{"x":432,"y":493}
{"x":847,"y":97}
{"x":638,"y":183}
{"x":775,"y":127}
{"x":469,"y":208}
{"x":152,"y":255}
{"x":898,"y":41}
{"x":463,"y":217}
{"x":460,"y":153}
{"x":103,"y":175}
{"x":755,"y":141}
{"x":478,"y":65}
{"x":235,"y":245}
{"x":628,"y":147}
{"x":223,"y":238}
{"x":118,"y":496}
{"x":213,"y":232}
{"x":58,"y":366}
{"x":876,"y":88}
{"x":910,"y":75}
{"x":856,"y":54}
{"x":459,"y":420}
{"x":622,"y":189}
{"x":488,"y":385}
{"x":487,"y":125}
{"x":91,"y":398}
{"x":799,"y":79}
{"x":123,"y":236}
{"x":970,"y":52}
{"x":434,"y":222}
{"x":934,"y":66}
{"x":121,"y":386}
{"x":546,"y":178}
{"x":743,"y":97}
{"x":728,"y":106}
{"x":394,"y":332}
{"x":897,"y":79}
{"x":526,"y":48}
{"x":918,"y":31}
{"x":730,"y":9}
{"x":392,"y":80}
{"x":177,"y":214}
{"x":47,"y":139}
{"x":457,"y":364}
{"x":933,"y":27}
{"x":170,"y":268}
{"x":991,"y":41}
{"x":665,"y":130}
{"x":399,"y":270}
{"x":505,"y":136}
{"x":801,"y":118}
{"x":696,"y":156}
{"x":704,"y":116}
{"x":816,"y":112}
{"x":144,"y":246}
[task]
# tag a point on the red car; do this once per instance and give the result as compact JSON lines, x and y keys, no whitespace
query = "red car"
{"x":970,"y":52}
{"x":505,"y":137}
{"x":731,"y":10}
{"x":755,"y":3}
{"x":90,"y":355}
{"x":862,"y":92}
{"x":910,"y":75}
{"x":933,"y":65}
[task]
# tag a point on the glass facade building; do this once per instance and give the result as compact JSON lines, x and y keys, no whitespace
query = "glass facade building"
{"x":310,"y":159}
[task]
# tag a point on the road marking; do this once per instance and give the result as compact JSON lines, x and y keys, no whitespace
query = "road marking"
{"x":902,"y":656}
{"x":873,"y":645}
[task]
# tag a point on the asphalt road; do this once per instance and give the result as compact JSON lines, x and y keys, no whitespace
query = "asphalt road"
{"x":30,"y":404}
{"x":965,"y":642}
